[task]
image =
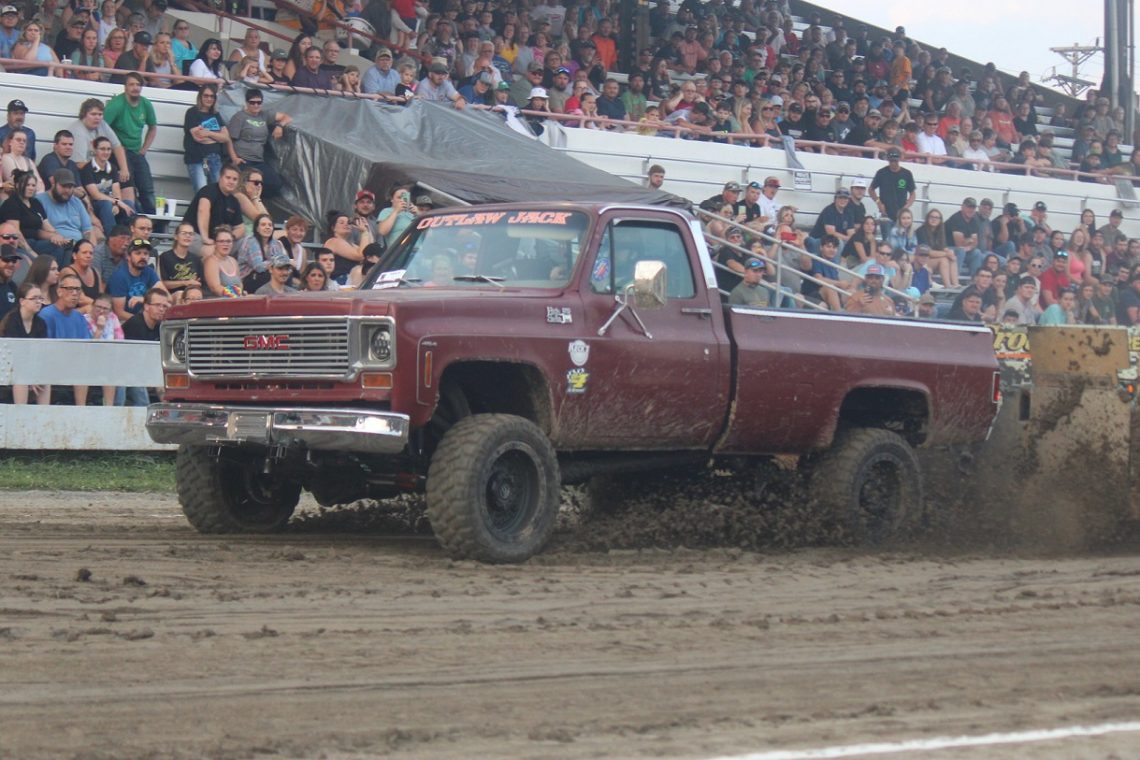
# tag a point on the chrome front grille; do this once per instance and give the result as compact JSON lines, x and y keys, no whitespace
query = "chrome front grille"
{"x":257,"y":347}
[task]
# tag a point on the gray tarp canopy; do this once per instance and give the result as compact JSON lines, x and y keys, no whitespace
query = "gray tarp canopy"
{"x":339,"y":145}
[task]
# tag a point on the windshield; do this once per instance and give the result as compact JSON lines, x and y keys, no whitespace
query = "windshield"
{"x":486,"y":250}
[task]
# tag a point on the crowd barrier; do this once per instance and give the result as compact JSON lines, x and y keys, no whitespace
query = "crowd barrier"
{"x":77,"y":362}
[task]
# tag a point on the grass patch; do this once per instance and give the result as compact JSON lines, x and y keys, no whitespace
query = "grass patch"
{"x":87,"y":471}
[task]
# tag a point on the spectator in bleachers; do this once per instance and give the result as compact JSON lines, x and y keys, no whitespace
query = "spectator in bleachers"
{"x":16,"y":122}
{"x":965,"y":230}
{"x":869,"y":298}
{"x":65,"y":211}
{"x":15,"y":159}
{"x":132,"y":279}
{"x":89,"y":53}
{"x":339,"y":241}
{"x":9,"y":30}
{"x":215,"y":206}
{"x":31,"y":47}
{"x":65,"y":321}
{"x":254,"y":253}
{"x":292,"y":240}
{"x":209,"y":63}
{"x":219,"y":268}
{"x":1111,"y":155}
{"x":83,"y":266}
{"x":836,"y":220}
{"x":893,"y":187}
{"x":750,"y":291}
{"x":381,"y":77}
{"x":436,"y":87}
{"x":178,"y":268}
{"x":863,"y":243}
{"x":1111,"y":231}
{"x":135,"y":59}
{"x":314,"y":278}
{"x":204,"y":138}
{"x":280,"y":270}
{"x":250,"y":135}
{"x":9,"y":259}
{"x":1063,"y":310}
{"x":127,"y":113}
{"x":277,"y":62}
{"x":1054,"y":279}
{"x":300,"y":45}
{"x":479,"y":90}
{"x":24,"y":321}
{"x":250,"y":47}
{"x":114,"y":47}
{"x":311,"y":74}
{"x":182,"y":47}
{"x":933,"y":234}
{"x":100,"y":180}
{"x":69,"y":38}
{"x":26,"y":210}
{"x":111,"y":251}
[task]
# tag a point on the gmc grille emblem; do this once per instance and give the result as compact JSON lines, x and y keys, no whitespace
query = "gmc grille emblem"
{"x":265,"y":343}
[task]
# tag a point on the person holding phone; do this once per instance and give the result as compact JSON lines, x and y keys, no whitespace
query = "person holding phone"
{"x":395,"y":219}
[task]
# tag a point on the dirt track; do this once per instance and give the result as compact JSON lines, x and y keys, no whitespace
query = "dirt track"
{"x":319,"y":643}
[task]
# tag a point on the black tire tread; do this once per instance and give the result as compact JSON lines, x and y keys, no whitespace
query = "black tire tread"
{"x":449,"y":486}
{"x":202,"y":493}
{"x":833,"y":473}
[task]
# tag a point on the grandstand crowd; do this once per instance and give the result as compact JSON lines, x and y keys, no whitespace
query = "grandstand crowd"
{"x":76,"y":227}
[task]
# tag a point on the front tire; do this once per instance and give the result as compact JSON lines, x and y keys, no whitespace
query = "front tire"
{"x":227,"y":493}
{"x":871,"y":482}
{"x":493,"y":489}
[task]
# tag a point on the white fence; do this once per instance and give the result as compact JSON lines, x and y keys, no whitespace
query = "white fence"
{"x":77,"y":362}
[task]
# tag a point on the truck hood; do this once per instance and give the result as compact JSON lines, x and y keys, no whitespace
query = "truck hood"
{"x":375,"y":303}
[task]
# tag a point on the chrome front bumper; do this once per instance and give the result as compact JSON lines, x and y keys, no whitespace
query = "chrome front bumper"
{"x":311,"y":428}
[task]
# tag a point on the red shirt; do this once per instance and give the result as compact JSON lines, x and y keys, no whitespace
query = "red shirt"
{"x":1003,"y":126}
{"x":1053,"y":282}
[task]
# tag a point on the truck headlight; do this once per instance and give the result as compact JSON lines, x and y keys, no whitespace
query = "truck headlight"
{"x":377,"y":347}
{"x":178,"y":347}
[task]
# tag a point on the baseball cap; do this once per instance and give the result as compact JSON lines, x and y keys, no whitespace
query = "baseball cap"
{"x":1114,"y":212}
{"x":734,"y":232}
{"x":842,"y":193}
{"x":874,"y":270}
{"x":138,"y":243}
{"x":143,"y":38}
{"x":894,"y":153}
{"x":859,"y":182}
{"x":534,"y":66}
{"x":503,"y":86}
{"x":383,"y":53}
{"x":365,"y":194}
{"x":755,"y":264}
{"x":732,"y":187}
{"x":17,"y":105}
{"x":538,"y":92}
{"x":9,"y":9}
{"x":1040,"y":206}
{"x":63,"y":177}
{"x":562,"y":70}
{"x":874,"y":112}
{"x":771,"y":182}
{"x":280,"y":261}
{"x":1061,"y":254}
{"x":424,"y":200}
{"x":9,"y":253}
{"x":279,"y":55}
{"x":1011,"y":209}
{"x":438,"y":68}
{"x":955,"y":128}
{"x":776,"y":100}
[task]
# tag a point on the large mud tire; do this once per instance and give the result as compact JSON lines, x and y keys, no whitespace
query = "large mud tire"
{"x":493,"y":489}
{"x":228,"y":493}
{"x":870,"y":480}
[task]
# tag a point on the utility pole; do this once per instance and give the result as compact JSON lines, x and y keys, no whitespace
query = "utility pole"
{"x":1119,"y":58}
{"x":1075,"y":55}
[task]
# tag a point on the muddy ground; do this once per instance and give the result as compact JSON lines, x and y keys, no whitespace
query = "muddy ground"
{"x":125,"y":634}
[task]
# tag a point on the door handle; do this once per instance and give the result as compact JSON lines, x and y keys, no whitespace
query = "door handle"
{"x":700,"y":312}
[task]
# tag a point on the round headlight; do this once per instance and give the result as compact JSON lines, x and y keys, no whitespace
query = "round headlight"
{"x":381,"y":345}
{"x":178,"y":346}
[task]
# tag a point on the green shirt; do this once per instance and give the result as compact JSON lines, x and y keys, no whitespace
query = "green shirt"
{"x":128,"y":121}
{"x":634,"y":105}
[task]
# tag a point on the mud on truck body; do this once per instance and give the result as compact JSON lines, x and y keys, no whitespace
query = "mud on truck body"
{"x":499,"y":352}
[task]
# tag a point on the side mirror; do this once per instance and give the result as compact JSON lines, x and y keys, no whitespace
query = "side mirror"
{"x":650,"y":284}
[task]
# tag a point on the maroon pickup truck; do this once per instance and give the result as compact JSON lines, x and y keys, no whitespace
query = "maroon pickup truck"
{"x":499,"y":352}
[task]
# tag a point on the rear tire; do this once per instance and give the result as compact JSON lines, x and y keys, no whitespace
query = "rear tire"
{"x":871,"y":482}
{"x":229,"y":494}
{"x":493,"y":489}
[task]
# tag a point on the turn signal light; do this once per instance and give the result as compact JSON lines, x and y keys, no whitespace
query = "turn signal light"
{"x":377,"y":381}
{"x":997,"y":387}
{"x":177,"y":381}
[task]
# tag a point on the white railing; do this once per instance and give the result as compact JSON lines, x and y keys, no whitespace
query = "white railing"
{"x":77,"y":362}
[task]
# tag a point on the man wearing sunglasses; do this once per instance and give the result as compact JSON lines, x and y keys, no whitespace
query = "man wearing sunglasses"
{"x":251,"y":130}
{"x":9,"y":259}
